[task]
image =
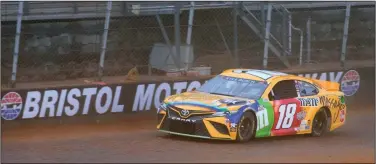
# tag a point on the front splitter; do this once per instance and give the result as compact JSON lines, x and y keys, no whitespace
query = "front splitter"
{"x":195,"y":136}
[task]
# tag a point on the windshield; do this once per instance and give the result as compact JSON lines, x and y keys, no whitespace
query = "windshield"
{"x":232,"y":86}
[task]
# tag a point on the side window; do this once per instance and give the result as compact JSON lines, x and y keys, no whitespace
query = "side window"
{"x":307,"y":89}
{"x":283,"y":90}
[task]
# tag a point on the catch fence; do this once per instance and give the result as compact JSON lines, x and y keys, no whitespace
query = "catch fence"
{"x":111,"y":38}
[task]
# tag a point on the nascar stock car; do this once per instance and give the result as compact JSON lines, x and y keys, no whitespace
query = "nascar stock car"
{"x":241,"y":104}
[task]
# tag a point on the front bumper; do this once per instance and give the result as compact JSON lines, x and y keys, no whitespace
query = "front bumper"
{"x":207,"y":127}
{"x":194,"y":136}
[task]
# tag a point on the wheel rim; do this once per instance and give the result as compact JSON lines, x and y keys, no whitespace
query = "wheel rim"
{"x":318,"y":123}
{"x":245,"y":127}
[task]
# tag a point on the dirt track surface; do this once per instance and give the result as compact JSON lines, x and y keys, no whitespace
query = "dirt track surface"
{"x":139,"y":142}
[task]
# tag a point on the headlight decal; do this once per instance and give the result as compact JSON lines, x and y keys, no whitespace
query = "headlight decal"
{"x":163,"y":106}
{"x":219,"y":114}
{"x":199,"y":104}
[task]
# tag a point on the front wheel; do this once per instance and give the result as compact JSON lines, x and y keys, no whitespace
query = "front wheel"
{"x":246,"y":127}
{"x":320,"y":123}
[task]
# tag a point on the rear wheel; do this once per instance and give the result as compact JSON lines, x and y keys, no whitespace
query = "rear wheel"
{"x":246,"y":127}
{"x":320,"y":123}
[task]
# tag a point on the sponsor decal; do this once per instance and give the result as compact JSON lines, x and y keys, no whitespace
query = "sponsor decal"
{"x":262,"y":119}
{"x":52,"y":103}
{"x":264,"y":74}
{"x":241,"y":80}
{"x":230,"y":102}
{"x":184,"y":112}
{"x":265,"y":118}
{"x":227,"y":122}
{"x":342,"y":115}
{"x":342,"y":99}
{"x":350,"y":83}
{"x":265,"y":100}
{"x":286,"y":116}
{"x":233,"y":127}
{"x":230,"y":125}
{"x":260,"y":108}
{"x":11,"y":106}
{"x":151,"y":94}
{"x":301,"y":115}
{"x":216,"y":103}
{"x":285,"y":120}
{"x":193,"y":96}
{"x":308,"y":101}
{"x":332,"y":103}
{"x":183,"y":120}
{"x":304,"y":125}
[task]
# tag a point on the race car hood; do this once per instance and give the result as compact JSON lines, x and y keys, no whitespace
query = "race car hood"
{"x":195,"y":100}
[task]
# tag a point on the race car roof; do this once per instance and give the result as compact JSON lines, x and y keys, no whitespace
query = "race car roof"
{"x":253,"y":74}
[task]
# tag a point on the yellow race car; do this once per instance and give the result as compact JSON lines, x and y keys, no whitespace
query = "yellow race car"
{"x":241,"y":104}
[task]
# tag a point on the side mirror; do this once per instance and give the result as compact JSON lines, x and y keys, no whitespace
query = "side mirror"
{"x":304,"y":91}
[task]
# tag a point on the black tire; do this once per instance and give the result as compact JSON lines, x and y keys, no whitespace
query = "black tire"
{"x":246,"y":128}
{"x":320,"y":123}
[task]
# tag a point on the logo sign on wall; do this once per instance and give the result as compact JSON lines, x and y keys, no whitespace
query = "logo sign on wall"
{"x":350,"y":82}
{"x":11,"y":106}
{"x":56,"y":103}
{"x":94,"y":100}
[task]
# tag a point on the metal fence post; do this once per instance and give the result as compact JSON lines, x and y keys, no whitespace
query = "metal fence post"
{"x":104,"y":40}
{"x":309,"y":40}
{"x":177,"y":33}
{"x":189,"y":33}
{"x":17,"y":44}
{"x":167,"y":40}
{"x":285,"y":29}
{"x":301,"y":49}
{"x":223,"y":37}
{"x":237,"y":64}
{"x":289,"y":34}
{"x":267,"y":31}
{"x":262,"y":10}
{"x":345,"y":34}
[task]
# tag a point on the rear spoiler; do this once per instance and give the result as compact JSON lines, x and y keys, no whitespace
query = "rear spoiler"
{"x":327,"y":85}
